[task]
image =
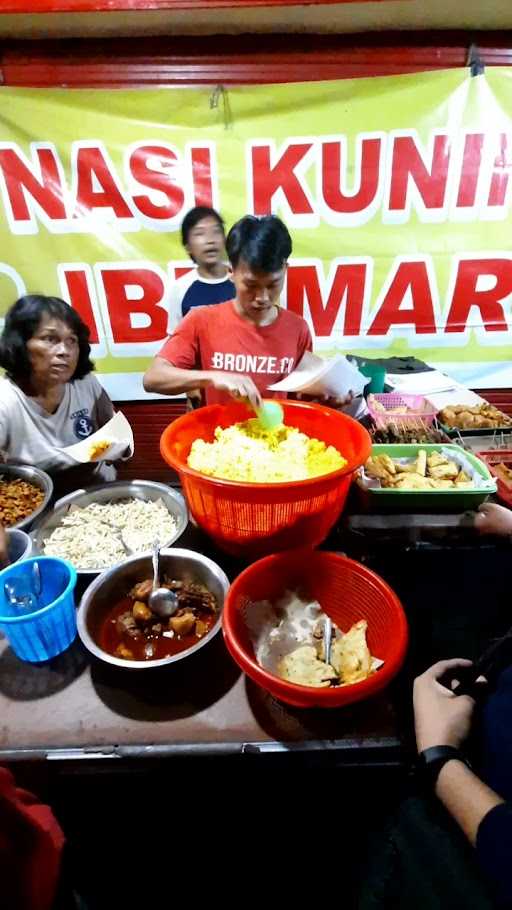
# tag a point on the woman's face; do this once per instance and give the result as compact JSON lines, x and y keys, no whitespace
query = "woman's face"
{"x":53,"y":352}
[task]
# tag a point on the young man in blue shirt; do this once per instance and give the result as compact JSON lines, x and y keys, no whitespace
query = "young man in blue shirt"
{"x":203,"y":237}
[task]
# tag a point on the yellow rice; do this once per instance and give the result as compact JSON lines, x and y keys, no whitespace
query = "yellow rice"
{"x":248,"y":452}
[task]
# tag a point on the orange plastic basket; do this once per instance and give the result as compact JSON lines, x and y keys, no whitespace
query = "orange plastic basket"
{"x":253,"y":519}
{"x":347,"y":591}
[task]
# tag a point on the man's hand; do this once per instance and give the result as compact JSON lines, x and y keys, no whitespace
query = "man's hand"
{"x":237,"y":385}
{"x":494,"y":519}
{"x":338,"y":403}
{"x":3,"y":548}
{"x":441,"y":718}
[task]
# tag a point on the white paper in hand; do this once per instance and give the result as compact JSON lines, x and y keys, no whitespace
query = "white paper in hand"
{"x":318,"y":376}
{"x":117,"y":433}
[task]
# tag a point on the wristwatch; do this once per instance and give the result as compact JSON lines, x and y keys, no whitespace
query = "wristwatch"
{"x":430,"y":762}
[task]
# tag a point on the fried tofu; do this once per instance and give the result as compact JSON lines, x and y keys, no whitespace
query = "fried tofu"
{"x":412,"y":481}
{"x":448,"y":471}
{"x":435,"y":459}
{"x":388,"y":463}
{"x":434,"y":471}
{"x":421,"y":463}
{"x":380,"y":467}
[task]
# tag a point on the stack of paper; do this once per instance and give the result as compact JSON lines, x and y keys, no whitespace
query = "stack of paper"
{"x":438,"y":388}
{"x":318,"y":376}
{"x":112,"y":441}
{"x":426,"y":383}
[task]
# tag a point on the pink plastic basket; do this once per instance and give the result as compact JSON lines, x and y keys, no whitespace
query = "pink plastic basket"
{"x":420,"y":410}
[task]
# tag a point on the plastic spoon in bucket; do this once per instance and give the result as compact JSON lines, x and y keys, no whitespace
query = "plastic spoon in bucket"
{"x":161,"y":601}
{"x":22,"y":602}
{"x":36,"y":581}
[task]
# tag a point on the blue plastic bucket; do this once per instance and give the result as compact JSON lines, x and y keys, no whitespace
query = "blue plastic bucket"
{"x":47,"y":628}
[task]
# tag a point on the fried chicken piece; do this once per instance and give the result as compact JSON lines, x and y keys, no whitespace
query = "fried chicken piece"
{"x":303,"y":667}
{"x":350,"y":655}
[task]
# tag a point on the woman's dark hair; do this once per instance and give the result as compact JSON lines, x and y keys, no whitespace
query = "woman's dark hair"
{"x":263,"y":243}
{"x":194,"y":217}
{"x":22,"y":321}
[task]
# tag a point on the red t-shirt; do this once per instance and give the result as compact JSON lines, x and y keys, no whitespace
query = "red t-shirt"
{"x":217,"y":338}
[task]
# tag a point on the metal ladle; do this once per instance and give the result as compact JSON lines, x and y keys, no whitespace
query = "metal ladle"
{"x":161,"y":601}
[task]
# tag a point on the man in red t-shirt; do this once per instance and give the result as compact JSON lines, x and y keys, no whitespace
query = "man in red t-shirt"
{"x":240,"y":347}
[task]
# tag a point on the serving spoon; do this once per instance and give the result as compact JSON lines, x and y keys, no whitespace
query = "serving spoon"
{"x":270,"y":414}
{"x":327,"y":639}
{"x":161,"y":601}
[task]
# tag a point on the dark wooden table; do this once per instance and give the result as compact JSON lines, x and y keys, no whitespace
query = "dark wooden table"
{"x":455,"y":591}
{"x":76,"y":707}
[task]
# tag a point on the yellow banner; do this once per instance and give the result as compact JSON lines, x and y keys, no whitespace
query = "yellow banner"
{"x":396,"y":191}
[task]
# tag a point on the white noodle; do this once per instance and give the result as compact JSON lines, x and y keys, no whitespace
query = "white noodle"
{"x":99,"y":535}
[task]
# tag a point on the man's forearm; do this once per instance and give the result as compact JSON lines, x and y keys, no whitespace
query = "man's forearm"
{"x":173,"y":381}
{"x":465,"y":797}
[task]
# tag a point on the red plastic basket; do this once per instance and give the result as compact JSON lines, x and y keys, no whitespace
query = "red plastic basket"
{"x":420,"y":410}
{"x":253,"y":519}
{"x":493,"y":457}
{"x":347,"y":591}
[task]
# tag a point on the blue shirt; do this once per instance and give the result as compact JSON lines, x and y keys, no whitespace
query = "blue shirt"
{"x":192,"y":290}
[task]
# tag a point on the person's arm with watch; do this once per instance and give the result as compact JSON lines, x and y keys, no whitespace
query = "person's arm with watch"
{"x":442,"y":724}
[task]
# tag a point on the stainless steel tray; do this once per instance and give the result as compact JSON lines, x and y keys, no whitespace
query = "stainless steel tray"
{"x":133,"y":489}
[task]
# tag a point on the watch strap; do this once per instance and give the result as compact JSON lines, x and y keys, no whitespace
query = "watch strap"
{"x":430,"y":761}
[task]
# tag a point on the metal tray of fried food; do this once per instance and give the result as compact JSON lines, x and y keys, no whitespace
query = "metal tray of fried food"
{"x":479,"y":442}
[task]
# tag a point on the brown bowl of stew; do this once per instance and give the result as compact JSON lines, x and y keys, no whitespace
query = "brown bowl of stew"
{"x":117,"y":626}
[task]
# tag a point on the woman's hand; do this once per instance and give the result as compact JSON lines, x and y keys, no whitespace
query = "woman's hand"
{"x":3,"y":548}
{"x":494,"y":519}
{"x":441,"y":718}
{"x":236,"y":384}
